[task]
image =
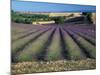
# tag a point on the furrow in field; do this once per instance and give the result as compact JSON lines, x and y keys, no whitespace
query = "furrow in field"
{"x":18,"y":32}
{"x":85,"y":32}
{"x":42,"y":55}
{"x":20,"y":36}
{"x":90,"y":33}
{"x":88,"y":38}
{"x":20,"y":44}
{"x":54,"y":49}
{"x":21,"y":30}
{"x":64,"y":52}
{"x":74,"y":50}
{"x":32,"y":51}
{"x":87,"y":47}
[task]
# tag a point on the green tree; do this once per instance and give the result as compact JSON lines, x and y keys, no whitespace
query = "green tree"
{"x":59,"y":20}
{"x":88,"y":16}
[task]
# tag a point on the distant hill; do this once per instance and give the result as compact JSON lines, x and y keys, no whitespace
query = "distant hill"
{"x":54,"y":14}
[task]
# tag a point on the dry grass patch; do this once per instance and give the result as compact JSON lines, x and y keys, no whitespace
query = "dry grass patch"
{"x":52,"y":66}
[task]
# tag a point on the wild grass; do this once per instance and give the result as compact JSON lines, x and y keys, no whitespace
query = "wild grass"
{"x":52,"y":66}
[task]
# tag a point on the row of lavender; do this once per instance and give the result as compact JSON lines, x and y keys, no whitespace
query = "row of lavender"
{"x":54,"y":42}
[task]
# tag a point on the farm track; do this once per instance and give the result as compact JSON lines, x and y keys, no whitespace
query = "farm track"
{"x":53,"y":40}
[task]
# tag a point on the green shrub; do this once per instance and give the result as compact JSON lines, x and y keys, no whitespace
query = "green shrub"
{"x":59,"y":20}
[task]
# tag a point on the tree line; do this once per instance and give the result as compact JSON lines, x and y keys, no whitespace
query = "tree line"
{"x":29,"y":18}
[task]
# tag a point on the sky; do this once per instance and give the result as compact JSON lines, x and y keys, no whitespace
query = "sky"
{"x":50,"y":7}
{"x":83,"y":2}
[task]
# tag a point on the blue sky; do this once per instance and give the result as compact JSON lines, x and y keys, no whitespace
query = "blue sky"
{"x":50,"y":7}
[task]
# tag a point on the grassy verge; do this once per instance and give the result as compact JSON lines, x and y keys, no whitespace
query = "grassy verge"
{"x":52,"y":66}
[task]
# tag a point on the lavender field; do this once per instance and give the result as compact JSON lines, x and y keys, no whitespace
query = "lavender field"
{"x":43,"y":45}
{"x":52,"y":37}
